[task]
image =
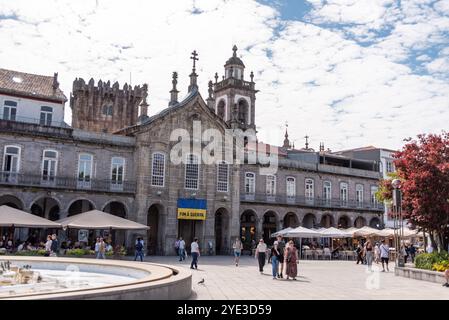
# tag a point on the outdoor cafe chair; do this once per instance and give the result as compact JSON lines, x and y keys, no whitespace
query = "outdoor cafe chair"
{"x":308,"y":253}
{"x":327,"y":254}
{"x":319,"y":254}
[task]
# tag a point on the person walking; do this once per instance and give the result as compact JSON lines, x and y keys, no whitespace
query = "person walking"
{"x":238,"y":247}
{"x":406,"y":252}
{"x":412,"y":252}
{"x":359,"y":252}
{"x":97,"y":246}
{"x":369,"y":254}
{"x":261,"y":254}
{"x":101,"y":249}
{"x":176,"y":246}
{"x":48,"y":246}
{"x":291,"y":258}
{"x":139,"y":249}
{"x":384,"y":255}
{"x":195,"y":252}
{"x":54,"y":246}
{"x":281,"y":248}
{"x":182,"y":249}
{"x":376,"y":253}
{"x":274,"y":256}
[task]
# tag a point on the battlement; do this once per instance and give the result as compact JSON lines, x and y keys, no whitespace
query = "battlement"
{"x":105,"y":87}
{"x":105,"y":108}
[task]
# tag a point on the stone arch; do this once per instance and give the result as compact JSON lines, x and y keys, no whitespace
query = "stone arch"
{"x":155,"y":218}
{"x":80,"y":205}
{"x":375,"y":223}
{"x":269,"y":225}
{"x":46,"y":207}
{"x":327,"y":221}
{"x":50,"y":196}
{"x":291,"y":220}
{"x":243,"y":111}
{"x":309,"y":221}
{"x":248,"y":224}
{"x":344,"y":222}
{"x":117,"y":208}
{"x":12,"y":201}
{"x":221,"y":109}
{"x":359,"y":222}
{"x":221,"y":229}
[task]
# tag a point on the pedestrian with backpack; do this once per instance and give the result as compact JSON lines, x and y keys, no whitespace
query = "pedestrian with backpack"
{"x":139,"y":249}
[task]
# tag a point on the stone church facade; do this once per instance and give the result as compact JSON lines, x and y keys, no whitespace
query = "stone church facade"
{"x":117,"y":159}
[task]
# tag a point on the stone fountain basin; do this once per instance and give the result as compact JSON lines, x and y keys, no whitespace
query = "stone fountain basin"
{"x":75,"y":278}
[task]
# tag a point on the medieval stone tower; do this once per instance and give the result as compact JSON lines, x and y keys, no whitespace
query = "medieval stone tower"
{"x":103,"y":108}
{"x":235,"y":98}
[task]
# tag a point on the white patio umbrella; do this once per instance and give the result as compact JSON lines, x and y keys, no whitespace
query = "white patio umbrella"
{"x":10,"y":217}
{"x":301,"y":232}
{"x":99,"y":220}
{"x":387,"y":232}
{"x":335,"y":233}
{"x":281,"y":232}
{"x":365,"y":232}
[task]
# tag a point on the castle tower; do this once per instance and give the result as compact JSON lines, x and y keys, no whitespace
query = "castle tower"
{"x":103,"y":108}
{"x":235,"y":98}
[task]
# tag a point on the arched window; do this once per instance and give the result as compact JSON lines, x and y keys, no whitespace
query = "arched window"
{"x":108,"y":109}
{"x":11,"y":164}
{"x":117,"y":173}
{"x":344,"y":193}
{"x":222,"y":176}
{"x":192,"y":172}
{"x":291,"y":187}
{"x":49,"y":165}
{"x":309,"y":189}
{"x":243,"y":112}
{"x":359,"y":194}
{"x":271,"y":185}
{"x":221,"y":109}
{"x":250,"y":183}
{"x":158,"y":170}
{"x":327,"y":191}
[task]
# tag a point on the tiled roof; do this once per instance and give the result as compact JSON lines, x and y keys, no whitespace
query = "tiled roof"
{"x":30,"y":85}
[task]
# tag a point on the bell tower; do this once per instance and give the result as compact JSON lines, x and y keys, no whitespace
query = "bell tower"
{"x":235,"y":98}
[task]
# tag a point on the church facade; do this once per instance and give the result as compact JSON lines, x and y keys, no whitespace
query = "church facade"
{"x":152,"y":170}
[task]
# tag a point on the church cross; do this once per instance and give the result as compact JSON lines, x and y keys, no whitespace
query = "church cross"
{"x":195,"y":58}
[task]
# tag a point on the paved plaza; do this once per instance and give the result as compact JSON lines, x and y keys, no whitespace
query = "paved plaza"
{"x":325,"y":280}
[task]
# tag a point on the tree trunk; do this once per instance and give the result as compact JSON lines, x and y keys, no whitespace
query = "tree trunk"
{"x":432,"y":239}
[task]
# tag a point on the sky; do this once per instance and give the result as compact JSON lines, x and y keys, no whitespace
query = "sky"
{"x":348,"y":73}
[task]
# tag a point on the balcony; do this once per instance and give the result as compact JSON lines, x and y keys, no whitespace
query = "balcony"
{"x":66,"y":183}
{"x":311,"y":202}
{"x":233,"y":82}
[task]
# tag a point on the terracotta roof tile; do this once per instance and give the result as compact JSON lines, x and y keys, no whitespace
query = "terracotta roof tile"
{"x":31,"y":85}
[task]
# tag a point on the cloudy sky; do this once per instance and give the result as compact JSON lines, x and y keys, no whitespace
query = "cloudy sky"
{"x":348,"y":73}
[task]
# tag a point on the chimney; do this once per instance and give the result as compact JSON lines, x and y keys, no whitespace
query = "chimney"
{"x":55,"y":81}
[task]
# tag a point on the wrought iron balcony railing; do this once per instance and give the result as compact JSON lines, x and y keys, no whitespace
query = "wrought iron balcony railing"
{"x":311,"y":202}
{"x":69,"y":183}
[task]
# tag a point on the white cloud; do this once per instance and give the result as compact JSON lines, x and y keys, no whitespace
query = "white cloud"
{"x":319,"y":76}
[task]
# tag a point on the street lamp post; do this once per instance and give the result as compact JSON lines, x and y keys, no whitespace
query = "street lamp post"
{"x":398,"y":221}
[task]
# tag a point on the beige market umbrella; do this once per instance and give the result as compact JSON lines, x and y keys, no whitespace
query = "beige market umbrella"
{"x":10,"y":217}
{"x":99,"y":220}
{"x":365,"y":232}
